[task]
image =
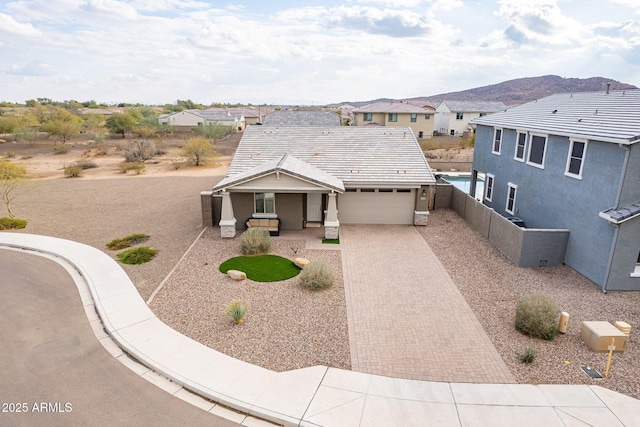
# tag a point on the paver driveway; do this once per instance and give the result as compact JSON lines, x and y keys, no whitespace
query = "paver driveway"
{"x":407,"y":318}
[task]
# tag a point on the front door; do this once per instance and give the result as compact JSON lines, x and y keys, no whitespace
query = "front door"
{"x":314,"y":207}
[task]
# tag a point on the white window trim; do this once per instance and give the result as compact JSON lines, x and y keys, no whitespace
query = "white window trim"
{"x":544,"y":152}
{"x":486,"y":187}
{"x":584,"y":155}
{"x":493,"y":141}
{"x":266,"y":214}
{"x":515,"y":195}
{"x":524,"y":149}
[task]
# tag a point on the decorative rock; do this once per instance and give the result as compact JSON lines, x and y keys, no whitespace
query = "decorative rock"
{"x":237,"y":275}
{"x":300,"y":262}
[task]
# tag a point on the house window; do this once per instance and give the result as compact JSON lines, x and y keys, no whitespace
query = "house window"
{"x":497,"y":141}
{"x":482,"y":114}
{"x":420,"y":134}
{"x":367,"y":117}
{"x":520,"y":144}
{"x":488,"y":188}
{"x":511,"y":198}
{"x":393,"y":117}
{"x":636,"y":271}
{"x":537,"y":148}
{"x":575,"y":159}
{"x":414,"y":117}
{"x":459,"y":116}
{"x":427,"y":116}
{"x":265,"y":203}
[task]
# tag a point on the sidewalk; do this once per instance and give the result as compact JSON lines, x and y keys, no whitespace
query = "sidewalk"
{"x":317,"y":396}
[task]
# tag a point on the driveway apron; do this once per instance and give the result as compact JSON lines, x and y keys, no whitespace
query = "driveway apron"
{"x":407,"y":318}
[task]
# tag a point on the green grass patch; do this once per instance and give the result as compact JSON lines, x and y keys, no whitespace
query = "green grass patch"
{"x":12,"y":223}
{"x":137,"y":255}
{"x":262,"y":268}
{"x":331,"y":241}
{"x":127,"y":242}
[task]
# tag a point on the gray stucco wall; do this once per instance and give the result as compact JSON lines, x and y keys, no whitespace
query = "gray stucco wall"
{"x":289,"y":208}
{"x":444,"y":193}
{"x":548,"y":199}
{"x":242,"y":208}
{"x":543,"y":248}
{"x":625,"y":257}
{"x":477,"y":215}
{"x":631,"y":186}
{"x":506,"y":236}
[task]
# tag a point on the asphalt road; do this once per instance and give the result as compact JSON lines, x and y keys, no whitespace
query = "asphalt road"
{"x":52,"y":367}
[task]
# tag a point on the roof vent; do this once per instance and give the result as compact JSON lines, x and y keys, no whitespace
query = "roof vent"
{"x":554,"y":111}
{"x":608,"y":87}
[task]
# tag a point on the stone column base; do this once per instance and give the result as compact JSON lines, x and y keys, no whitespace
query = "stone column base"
{"x":331,"y":229}
{"x":228,"y":229}
{"x":420,"y":217}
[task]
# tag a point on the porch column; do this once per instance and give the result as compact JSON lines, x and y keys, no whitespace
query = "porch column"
{"x":227,"y":220}
{"x":331,"y":223}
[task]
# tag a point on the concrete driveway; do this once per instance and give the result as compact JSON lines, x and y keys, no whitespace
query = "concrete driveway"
{"x":407,"y":318}
{"x":53,"y":369}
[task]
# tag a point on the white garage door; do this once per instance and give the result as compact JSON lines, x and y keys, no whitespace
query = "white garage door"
{"x":376,"y":208}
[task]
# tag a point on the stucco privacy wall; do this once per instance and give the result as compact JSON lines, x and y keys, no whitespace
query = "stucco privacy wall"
{"x":525,"y":247}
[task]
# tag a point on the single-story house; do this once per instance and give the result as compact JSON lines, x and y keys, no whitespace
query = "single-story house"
{"x":327,"y":176}
{"x":193,"y":118}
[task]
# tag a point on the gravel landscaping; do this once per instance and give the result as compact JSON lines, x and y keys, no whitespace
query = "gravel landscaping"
{"x":286,"y":326}
{"x":492,"y":286}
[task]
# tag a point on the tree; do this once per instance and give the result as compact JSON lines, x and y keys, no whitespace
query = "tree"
{"x":198,"y":150}
{"x":214,"y":131}
{"x":140,"y":151}
{"x":121,"y":123}
{"x":12,"y":178}
{"x":25,"y":133}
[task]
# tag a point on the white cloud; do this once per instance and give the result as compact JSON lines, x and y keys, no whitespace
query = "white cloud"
{"x":33,"y":68}
{"x":10,"y":25}
{"x":391,"y":22}
{"x":111,"y":8}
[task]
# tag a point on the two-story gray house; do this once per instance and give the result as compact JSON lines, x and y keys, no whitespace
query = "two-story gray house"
{"x":571,"y":161}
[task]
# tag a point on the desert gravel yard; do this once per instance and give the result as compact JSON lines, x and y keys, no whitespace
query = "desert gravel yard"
{"x":492,"y":286}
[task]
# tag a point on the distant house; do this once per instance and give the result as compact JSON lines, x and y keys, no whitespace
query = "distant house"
{"x":454,"y":117}
{"x":194,"y":118}
{"x":325,"y":176}
{"x":571,"y":161}
{"x":404,"y":114}
{"x":301,"y":118}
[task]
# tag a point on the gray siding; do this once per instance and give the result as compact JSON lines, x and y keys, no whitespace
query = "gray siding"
{"x":548,"y":199}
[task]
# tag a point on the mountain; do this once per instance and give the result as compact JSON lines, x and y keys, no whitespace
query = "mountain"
{"x":519,"y":91}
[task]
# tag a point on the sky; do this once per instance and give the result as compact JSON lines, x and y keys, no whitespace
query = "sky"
{"x":304,"y":52}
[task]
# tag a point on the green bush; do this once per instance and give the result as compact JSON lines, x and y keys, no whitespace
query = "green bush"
{"x":127,"y":242}
{"x":12,"y":223}
{"x":255,"y":241}
{"x":72,"y":171}
{"x":236,"y":310}
{"x":316,"y":276}
{"x":137,"y":255}
{"x":137,"y":167}
{"x":537,"y":316}
{"x":60,"y":148}
{"x":528,"y":356}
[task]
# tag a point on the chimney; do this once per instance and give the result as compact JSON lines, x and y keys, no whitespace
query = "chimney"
{"x":608,"y":87}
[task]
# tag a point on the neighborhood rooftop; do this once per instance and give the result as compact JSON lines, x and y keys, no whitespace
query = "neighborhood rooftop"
{"x":393,"y":107}
{"x":474,"y":106}
{"x":359,"y":156}
{"x":608,"y":117}
{"x":302,"y":118}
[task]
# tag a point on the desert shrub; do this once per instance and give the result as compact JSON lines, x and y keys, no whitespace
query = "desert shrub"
{"x":528,"y":355}
{"x":430,"y":144}
{"x":12,"y":223}
{"x":137,"y":255}
{"x":137,"y":167}
{"x":139,"y":151}
{"x":236,"y":310}
{"x":72,"y":171}
{"x":9,"y":154}
{"x":127,"y":242}
{"x":85,"y":164}
{"x":316,"y":276}
{"x":60,"y":148}
{"x":255,"y":241}
{"x":537,"y":316}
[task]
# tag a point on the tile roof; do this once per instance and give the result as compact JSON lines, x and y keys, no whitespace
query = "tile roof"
{"x":474,"y":106}
{"x":609,"y":117}
{"x":356,"y":155}
{"x":623,"y":214}
{"x":301,"y":118}
{"x":393,"y":107}
{"x":287,"y":164}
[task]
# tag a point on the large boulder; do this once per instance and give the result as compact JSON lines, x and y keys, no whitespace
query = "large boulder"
{"x":300,"y":262}
{"x":237,"y":275}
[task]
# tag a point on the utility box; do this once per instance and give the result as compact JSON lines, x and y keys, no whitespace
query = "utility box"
{"x":597,"y":336}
